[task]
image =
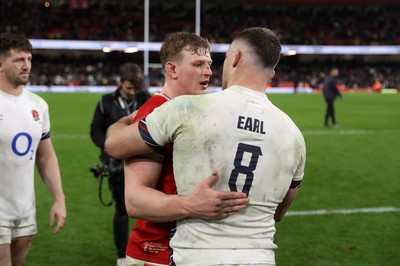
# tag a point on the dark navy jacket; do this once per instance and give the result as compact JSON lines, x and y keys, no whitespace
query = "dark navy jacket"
{"x":330,"y":89}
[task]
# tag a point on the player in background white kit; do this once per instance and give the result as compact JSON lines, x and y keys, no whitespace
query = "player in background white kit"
{"x":254,"y":147}
{"x":24,"y":142}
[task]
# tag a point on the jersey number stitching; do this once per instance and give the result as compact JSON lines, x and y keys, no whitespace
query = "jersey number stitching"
{"x":244,"y":169}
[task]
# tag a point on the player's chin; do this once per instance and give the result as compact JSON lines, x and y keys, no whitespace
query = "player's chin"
{"x":203,"y":88}
{"x":203,"y":91}
{"x":199,"y":91}
{"x":23,"y":81}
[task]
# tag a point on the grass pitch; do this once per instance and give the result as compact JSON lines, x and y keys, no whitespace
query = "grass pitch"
{"x":349,"y":168}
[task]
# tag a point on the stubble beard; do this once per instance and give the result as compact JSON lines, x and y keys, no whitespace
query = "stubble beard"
{"x":19,"y":81}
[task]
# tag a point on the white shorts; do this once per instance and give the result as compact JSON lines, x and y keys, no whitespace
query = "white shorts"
{"x":134,"y":262}
{"x":18,"y":228}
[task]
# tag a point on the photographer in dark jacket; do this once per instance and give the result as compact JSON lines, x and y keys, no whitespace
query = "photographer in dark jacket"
{"x":128,"y":97}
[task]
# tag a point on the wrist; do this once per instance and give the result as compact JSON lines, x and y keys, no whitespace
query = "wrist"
{"x":59,"y":198}
{"x":184,"y":206}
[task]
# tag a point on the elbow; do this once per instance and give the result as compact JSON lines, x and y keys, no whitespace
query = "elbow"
{"x":132,"y":212}
{"x":110,"y":149}
{"x":132,"y":209}
{"x":136,"y":213}
{"x":279,"y":214}
{"x":278,"y":218}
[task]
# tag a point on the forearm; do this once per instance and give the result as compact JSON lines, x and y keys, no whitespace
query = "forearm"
{"x":283,"y":207}
{"x":117,"y":136}
{"x":47,"y":163}
{"x":124,"y":141}
{"x":143,"y":201}
{"x":50,"y":174}
{"x":156,"y":206}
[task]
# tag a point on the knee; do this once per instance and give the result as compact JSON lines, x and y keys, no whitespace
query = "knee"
{"x":19,"y":249}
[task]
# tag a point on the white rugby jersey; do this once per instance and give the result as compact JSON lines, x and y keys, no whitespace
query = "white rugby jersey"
{"x":23,"y":121}
{"x":254,"y":147}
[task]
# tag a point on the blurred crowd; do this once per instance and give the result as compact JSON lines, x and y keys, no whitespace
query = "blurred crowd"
{"x":322,"y":24}
{"x":347,"y":24}
{"x":89,"y":71}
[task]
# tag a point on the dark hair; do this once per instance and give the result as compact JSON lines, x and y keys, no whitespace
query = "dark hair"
{"x":264,"y":43}
{"x":133,"y":73}
{"x":175,"y":43}
{"x":10,"y":41}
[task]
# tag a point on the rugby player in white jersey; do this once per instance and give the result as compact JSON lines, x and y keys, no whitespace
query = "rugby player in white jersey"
{"x":253,"y":145}
{"x":24,"y":141}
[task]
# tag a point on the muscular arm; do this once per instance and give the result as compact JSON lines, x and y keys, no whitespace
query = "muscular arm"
{"x":143,"y":201}
{"x":47,"y":163}
{"x":123,"y":140}
{"x":285,"y":204}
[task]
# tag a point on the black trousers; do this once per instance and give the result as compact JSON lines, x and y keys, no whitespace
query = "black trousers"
{"x":121,"y":219}
{"x":330,"y":112}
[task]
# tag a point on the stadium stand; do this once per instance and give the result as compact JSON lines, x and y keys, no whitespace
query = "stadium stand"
{"x":336,"y":24}
{"x":309,"y":23}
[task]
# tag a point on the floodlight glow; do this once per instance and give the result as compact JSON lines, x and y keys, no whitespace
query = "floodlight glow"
{"x":106,"y":49}
{"x":131,"y":50}
{"x":133,"y":47}
{"x":291,"y":52}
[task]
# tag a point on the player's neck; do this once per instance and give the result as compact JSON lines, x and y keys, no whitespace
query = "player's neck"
{"x":10,"y":89}
{"x":251,"y":85}
{"x":253,"y":80}
{"x":165,"y":95}
{"x":169,"y":92}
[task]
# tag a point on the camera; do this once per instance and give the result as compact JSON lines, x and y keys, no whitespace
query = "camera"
{"x":106,"y":169}
{"x":99,"y":170}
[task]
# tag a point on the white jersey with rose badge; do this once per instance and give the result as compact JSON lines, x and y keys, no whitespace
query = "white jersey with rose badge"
{"x":254,"y":147}
{"x":24,"y":120}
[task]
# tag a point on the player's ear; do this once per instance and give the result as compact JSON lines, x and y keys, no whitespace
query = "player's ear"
{"x":272,"y":74}
{"x":238,"y":56}
{"x":171,"y":70}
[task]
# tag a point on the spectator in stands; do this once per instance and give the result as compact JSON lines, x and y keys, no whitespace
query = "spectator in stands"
{"x":377,"y":86}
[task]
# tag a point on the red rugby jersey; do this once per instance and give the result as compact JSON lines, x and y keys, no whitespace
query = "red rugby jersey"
{"x":149,"y":241}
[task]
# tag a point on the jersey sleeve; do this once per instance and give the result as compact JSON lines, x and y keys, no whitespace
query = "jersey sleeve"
{"x":45,"y":118}
{"x":164,"y":123}
{"x":143,"y":111}
{"x":299,"y":171}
